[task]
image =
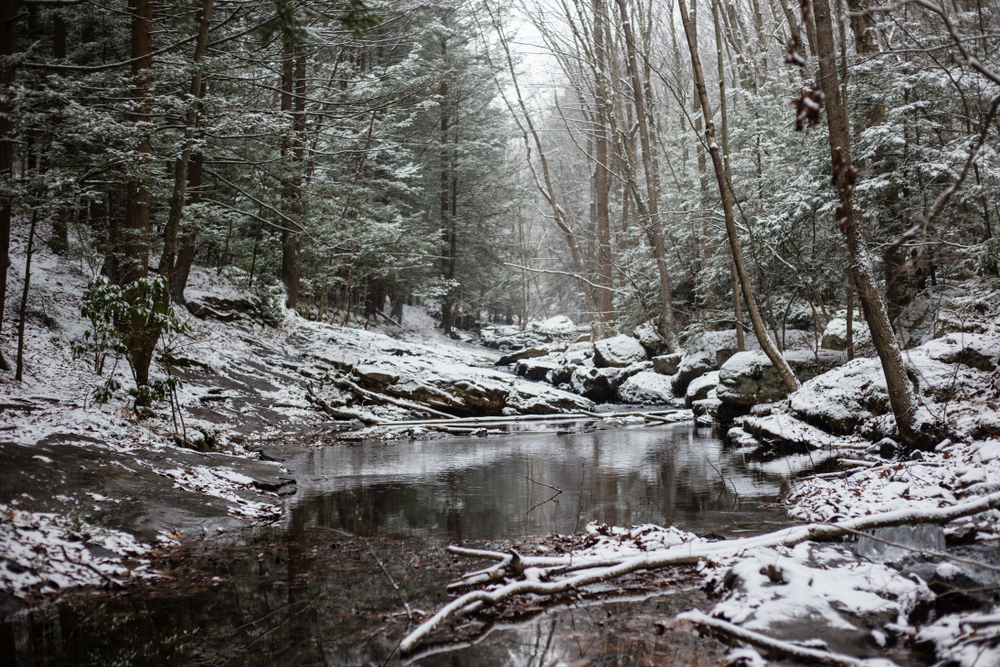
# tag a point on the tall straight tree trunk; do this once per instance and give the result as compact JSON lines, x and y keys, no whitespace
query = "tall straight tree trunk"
{"x":447,"y":220}
{"x":289,"y":190}
{"x":766,"y":344}
{"x":185,"y":255}
{"x":168,"y":268}
{"x":59,"y":241}
{"x":8,"y":46}
{"x":135,"y":241}
{"x":667,"y":330}
{"x":602,"y":178}
{"x":901,"y":397}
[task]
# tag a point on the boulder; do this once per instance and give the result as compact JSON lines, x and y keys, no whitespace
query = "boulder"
{"x":537,"y":368}
{"x":629,"y":371}
{"x":618,"y":352}
{"x":650,"y":340}
{"x":692,"y":366}
{"x":666,"y":364}
{"x":562,"y":374}
{"x":523,"y":353}
{"x":842,"y":398}
{"x":749,"y":378}
{"x":646,"y":387}
{"x":700,"y":387}
{"x":374,"y":377}
{"x":538,"y":399}
{"x":578,"y":354}
{"x":835,"y":334}
{"x":597,"y":384}
{"x":559,"y":325}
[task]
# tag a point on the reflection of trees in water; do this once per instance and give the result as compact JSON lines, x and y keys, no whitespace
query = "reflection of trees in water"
{"x":617,"y":477}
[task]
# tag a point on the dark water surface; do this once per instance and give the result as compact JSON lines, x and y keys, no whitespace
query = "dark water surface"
{"x":364,"y":538}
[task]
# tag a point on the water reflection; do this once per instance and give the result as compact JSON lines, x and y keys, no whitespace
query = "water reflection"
{"x":531,"y":484}
{"x":365,"y":538}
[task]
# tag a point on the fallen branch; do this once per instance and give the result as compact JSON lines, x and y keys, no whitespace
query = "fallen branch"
{"x":590,"y":570}
{"x":786,"y":648}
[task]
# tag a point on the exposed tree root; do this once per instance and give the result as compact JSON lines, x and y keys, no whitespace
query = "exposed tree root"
{"x":549,"y":575}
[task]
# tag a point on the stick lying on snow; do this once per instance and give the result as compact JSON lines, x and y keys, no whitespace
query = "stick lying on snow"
{"x":540,"y":572}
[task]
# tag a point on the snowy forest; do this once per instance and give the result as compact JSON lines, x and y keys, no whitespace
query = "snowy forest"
{"x":683,"y":317}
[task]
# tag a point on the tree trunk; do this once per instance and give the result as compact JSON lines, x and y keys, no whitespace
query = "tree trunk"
{"x":168,"y":268}
{"x":141,"y":339}
{"x":185,"y":256}
{"x":667,"y":330}
{"x":602,"y":180}
{"x":8,"y":46}
{"x":289,"y":190}
{"x":767,"y":345}
{"x":447,"y":223}
{"x":23,"y":312}
{"x":901,"y":398}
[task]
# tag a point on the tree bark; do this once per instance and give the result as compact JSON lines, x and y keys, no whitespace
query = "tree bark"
{"x":667,"y":329}
{"x":901,"y":397}
{"x":23,"y":312}
{"x":766,"y":344}
{"x":168,"y":268}
{"x":602,"y":179}
{"x":8,"y":47}
{"x":290,"y":187}
{"x":141,"y":339}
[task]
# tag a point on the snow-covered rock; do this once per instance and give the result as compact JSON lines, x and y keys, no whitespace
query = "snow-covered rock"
{"x":835,"y":334}
{"x":692,"y":366}
{"x":537,"y":368}
{"x":699,"y":388}
{"x":618,"y":352}
{"x":749,"y":378}
{"x":559,"y":325}
{"x":579,"y":354}
{"x":840,"y":399}
{"x":650,"y":339}
{"x":523,"y":353}
{"x":667,"y":364}
{"x":596,"y":384}
{"x":646,"y":387}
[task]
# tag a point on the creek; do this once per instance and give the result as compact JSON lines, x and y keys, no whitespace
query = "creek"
{"x":364,"y":539}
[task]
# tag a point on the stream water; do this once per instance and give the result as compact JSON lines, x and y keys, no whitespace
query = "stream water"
{"x":364,"y":539}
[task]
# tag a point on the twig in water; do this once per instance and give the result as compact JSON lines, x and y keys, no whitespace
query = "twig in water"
{"x":392,"y":582}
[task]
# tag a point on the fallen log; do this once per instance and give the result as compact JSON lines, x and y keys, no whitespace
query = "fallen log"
{"x":590,"y":570}
{"x":776,"y":645}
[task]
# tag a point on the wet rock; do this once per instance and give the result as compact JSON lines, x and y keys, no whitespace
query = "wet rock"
{"x":692,"y":366}
{"x":700,"y":387}
{"x":650,"y":340}
{"x":618,"y":352}
{"x":596,"y":384}
{"x":646,"y":387}
{"x":707,"y":407}
{"x":666,"y":364}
